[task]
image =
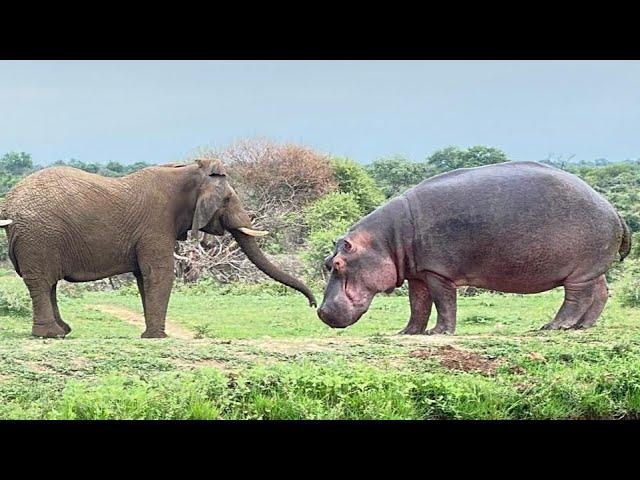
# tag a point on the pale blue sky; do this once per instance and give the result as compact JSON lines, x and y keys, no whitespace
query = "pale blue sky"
{"x":153,"y":111}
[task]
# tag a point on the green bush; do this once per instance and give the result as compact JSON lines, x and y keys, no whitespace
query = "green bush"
{"x":4,"y":248}
{"x":353,"y":179}
{"x":14,"y":300}
{"x":328,"y":218}
{"x":628,"y":287}
{"x":397,"y":174}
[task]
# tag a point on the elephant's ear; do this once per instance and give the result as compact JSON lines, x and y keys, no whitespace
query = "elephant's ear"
{"x":209,"y":202}
{"x":211,"y":167}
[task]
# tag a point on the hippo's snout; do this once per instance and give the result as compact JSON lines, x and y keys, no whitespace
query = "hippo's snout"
{"x":326,"y":316}
{"x":336,"y":318}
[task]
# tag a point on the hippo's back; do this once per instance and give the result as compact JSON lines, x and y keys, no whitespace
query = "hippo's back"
{"x":514,"y":226}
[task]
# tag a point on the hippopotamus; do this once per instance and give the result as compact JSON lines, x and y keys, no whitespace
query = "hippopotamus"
{"x":517,"y":227}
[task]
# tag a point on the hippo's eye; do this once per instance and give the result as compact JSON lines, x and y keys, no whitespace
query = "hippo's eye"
{"x":348,"y":247}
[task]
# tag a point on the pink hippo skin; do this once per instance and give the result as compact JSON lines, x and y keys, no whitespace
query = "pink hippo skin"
{"x":519,"y":227}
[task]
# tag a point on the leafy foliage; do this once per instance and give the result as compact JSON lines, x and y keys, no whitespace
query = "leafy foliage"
{"x":451,"y":158}
{"x":629,"y":285}
{"x":353,"y":179}
{"x":327,"y":219}
{"x":397,"y":174}
{"x":111,"y":169}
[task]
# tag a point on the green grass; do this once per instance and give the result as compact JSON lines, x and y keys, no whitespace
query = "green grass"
{"x":259,"y":354}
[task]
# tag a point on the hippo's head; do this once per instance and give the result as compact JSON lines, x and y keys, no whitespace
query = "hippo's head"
{"x":359,"y":268}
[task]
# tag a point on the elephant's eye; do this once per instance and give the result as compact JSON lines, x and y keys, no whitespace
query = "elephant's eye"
{"x":214,"y":174}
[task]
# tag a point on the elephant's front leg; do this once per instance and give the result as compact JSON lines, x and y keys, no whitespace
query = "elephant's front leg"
{"x":155,"y":283}
{"x":421,"y":302}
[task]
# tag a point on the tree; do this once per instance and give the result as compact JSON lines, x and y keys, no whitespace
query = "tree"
{"x":115,"y":167}
{"x":451,"y":158}
{"x":352,"y":178}
{"x":16,"y":164}
{"x":396,"y":174}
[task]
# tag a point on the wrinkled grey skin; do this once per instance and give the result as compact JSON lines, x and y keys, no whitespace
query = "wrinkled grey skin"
{"x":519,"y":227}
{"x":64,"y":223}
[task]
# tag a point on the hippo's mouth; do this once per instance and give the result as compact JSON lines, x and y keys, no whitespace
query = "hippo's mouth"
{"x":358,"y":304}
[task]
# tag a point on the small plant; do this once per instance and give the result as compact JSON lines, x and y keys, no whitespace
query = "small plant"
{"x":478,"y":319}
{"x":201,"y":331}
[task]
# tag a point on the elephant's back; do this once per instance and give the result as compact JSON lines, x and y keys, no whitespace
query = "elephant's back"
{"x":64,"y":205}
{"x":55,"y":190}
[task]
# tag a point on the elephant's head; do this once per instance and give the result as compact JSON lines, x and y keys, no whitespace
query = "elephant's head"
{"x":218,"y":209}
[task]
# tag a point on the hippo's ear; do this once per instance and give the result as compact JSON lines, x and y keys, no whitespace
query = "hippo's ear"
{"x":327,"y":263}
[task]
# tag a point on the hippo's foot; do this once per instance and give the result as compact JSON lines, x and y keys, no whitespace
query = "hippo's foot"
{"x":48,"y":330}
{"x":412,"y":329}
{"x":440,"y":330}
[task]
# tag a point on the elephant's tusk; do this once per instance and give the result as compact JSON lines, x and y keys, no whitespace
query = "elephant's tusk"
{"x":5,"y":223}
{"x":253,"y":233}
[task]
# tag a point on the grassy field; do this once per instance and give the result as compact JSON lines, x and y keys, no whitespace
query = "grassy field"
{"x":243,"y":353}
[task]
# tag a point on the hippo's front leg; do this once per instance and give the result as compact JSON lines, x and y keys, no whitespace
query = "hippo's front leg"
{"x":444,"y":294}
{"x":421,"y":302}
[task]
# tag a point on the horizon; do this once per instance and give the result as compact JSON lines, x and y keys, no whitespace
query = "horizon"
{"x":163,"y":111}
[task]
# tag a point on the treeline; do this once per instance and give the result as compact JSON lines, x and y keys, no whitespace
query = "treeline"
{"x":306,"y":199}
{"x":15,"y":165}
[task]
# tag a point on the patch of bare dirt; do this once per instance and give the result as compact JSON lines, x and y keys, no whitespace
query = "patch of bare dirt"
{"x":173,"y":330}
{"x":39,"y":367}
{"x":456,"y":359}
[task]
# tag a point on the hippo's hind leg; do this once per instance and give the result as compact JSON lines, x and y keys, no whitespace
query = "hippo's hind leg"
{"x":444,"y":294}
{"x":578,"y":298}
{"x":421,"y":303}
{"x":600,"y":298}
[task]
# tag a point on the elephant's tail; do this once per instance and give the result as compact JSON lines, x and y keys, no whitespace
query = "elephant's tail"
{"x":625,"y":244}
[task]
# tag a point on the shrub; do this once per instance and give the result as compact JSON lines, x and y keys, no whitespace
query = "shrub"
{"x":327,"y":219}
{"x":14,"y":300}
{"x":628,"y":287}
{"x":352,"y":178}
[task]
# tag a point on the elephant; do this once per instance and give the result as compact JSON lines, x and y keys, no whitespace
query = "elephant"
{"x":65,"y":223}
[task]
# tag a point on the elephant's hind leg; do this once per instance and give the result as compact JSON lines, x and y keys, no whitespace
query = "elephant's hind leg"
{"x":600,"y":299}
{"x":44,"y":319}
{"x":578,"y":297}
{"x":56,"y":313}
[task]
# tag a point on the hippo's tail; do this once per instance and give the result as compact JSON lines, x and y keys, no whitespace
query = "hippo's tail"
{"x":625,"y":244}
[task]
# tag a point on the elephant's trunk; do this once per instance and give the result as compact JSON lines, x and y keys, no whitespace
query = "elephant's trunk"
{"x":252,"y":251}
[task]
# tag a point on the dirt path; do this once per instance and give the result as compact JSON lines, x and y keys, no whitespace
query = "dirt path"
{"x":173,"y":330}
